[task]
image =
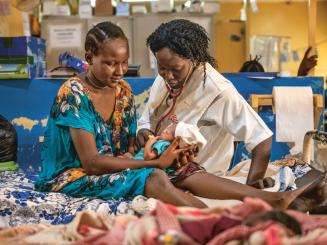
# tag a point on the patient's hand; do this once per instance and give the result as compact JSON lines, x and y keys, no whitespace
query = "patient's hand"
{"x":126,"y":155}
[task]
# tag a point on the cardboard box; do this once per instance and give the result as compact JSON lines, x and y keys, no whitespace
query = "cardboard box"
{"x":103,"y":7}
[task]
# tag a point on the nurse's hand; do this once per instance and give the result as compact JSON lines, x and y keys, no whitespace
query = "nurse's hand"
{"x":190,"y":153}
{"x":194,"y":152}
{"x":141,"y":138}
{"x":168,"y":157}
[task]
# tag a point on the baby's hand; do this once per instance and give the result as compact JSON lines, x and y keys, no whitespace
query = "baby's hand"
{"x":152,"y":139}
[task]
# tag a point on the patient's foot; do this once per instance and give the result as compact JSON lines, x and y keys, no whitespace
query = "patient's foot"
{"x":283,"y":199}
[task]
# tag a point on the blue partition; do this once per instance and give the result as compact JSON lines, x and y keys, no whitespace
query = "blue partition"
{"x":27,"y":104}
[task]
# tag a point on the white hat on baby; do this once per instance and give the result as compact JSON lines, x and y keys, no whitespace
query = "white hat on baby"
{"x":190,"y":134}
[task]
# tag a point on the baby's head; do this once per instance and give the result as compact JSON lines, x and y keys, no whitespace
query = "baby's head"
{"x":190,"y":134}
{"x":168,"y":133}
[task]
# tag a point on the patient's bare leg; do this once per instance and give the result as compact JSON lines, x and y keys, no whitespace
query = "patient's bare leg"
{"x":159,"y":186}
{"x":208,"y":185}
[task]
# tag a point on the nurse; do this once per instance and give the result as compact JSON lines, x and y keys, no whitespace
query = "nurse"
{"x":190,"y":89}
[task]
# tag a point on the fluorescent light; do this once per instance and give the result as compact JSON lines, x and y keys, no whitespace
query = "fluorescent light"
{"x":138,"y":1}
{"x":188,"y":4}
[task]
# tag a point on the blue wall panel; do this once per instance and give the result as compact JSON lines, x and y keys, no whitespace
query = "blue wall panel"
{"x":27,"y":104}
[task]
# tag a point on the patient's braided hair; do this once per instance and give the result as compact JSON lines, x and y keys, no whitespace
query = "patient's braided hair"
{"x":101,"y":32}
{"x":278,"y":216}
{"x":185,"y":38}
{"x":252,"y":65}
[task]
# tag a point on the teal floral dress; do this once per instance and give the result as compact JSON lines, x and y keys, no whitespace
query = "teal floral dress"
{"x":61,"y":168}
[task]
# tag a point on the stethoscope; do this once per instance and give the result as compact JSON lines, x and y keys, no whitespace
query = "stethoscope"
{"x":173,"y":94}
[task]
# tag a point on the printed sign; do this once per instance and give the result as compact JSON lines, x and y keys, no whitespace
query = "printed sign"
{"x":65,"y":36}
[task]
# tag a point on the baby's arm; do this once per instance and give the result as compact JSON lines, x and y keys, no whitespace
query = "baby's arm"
{"x":149,"y":153}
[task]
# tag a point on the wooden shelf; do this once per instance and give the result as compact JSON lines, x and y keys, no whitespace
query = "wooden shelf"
{"x":257,"y":100}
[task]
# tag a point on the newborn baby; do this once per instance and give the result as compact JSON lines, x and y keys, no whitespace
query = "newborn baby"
{"x":191,"y":138}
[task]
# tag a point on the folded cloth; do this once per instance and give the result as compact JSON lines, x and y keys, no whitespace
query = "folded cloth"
{"x":8,"y":166}
{"x":284,"y":176}
{"x":284,"y":180}
{"x":190,"y":134}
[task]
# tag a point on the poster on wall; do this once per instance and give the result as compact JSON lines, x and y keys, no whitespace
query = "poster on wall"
{"x":273,"y":50}
{"x":267,"y":48}
{"x":65,"y":36}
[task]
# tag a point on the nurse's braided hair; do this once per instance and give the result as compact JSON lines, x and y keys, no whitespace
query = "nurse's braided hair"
{"x":185,"y":38}
{"x":100,"y":33}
